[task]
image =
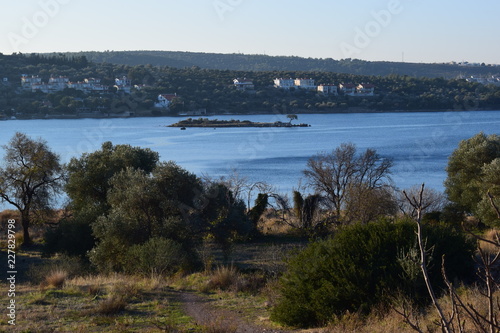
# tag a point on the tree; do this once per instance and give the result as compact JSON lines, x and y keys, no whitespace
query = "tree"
{"x":337,"y":174}
{"x":146,"y":206}
{"x":467,"y":169}
{"x":89,"y":176}
{"x":292,"y":117}
{"x":88,"y":187}
{"x":432,"y":201}
{"x":31,"y":178}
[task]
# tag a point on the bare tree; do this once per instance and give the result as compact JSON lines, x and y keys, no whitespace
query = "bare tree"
{"x":432,"y":201}
{"x":417,"y":202}
{"x":333,"y":175}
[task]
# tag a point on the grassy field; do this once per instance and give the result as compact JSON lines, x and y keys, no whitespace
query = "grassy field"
{"x":60,"y":294}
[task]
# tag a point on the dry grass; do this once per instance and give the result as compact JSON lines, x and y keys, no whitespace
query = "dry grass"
{"x":389,"y":321}
{"x":223,"y":278}
{"x":218,"y":325}
{"x":112,"y":305}
{"x":55,"y":279}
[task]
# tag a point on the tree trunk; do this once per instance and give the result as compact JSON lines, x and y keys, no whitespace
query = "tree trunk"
{"x":25,"y":222}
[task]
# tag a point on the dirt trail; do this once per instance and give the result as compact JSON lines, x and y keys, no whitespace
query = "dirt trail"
{"x":204,"y":313}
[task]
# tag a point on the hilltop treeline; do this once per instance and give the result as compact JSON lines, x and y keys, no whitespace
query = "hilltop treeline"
{"x":212,"y":89}
{"x":260,"y":62}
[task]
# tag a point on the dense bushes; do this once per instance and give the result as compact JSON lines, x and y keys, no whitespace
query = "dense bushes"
{"x":362,"y":266}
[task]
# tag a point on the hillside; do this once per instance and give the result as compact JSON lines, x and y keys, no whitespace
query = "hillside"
{"x":212,"y":91}
{"x":245,"y":62}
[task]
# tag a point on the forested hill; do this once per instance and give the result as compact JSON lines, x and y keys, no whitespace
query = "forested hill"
{"x":244,"y":62}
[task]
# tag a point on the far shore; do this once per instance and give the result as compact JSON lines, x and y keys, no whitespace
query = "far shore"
{"x":142,"y":114}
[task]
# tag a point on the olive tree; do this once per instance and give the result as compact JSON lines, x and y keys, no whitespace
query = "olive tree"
{"x":146,"y":206}
{"x":88,"y":187}
{"x":472,"y":172}
{"x":30,"y":178}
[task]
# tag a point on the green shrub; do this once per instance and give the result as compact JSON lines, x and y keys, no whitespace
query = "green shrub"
{"x":359,"y":268}
{"x":71,"y":237}
{"x":159,"y":256}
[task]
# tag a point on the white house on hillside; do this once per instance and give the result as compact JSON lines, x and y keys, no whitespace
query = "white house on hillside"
{"x":365,"y":89}
{"x":328,"y":89}
{"x":123,"y":84}
{"x":284,"y":83}
{"x":305,"y":84}
{"x":348,"y":89}
{"x":164,"y":100}
{"x":243,"y":84}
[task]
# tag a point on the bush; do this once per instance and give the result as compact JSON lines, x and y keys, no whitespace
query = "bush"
{"x":359,"y":268}
{"x":71,"y":237}
{"x":159,"y":256}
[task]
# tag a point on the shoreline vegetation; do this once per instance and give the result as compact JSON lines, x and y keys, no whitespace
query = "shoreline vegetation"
{"x":51,"y":87}
{"x":216,"y":123}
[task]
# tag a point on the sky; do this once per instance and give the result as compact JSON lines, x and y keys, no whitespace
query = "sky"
{"x":431,"y":31}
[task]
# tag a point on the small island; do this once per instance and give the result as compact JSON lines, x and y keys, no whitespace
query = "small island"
{"x":205,"y":122}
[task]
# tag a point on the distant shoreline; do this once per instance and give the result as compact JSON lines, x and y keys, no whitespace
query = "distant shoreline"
{"x":298,"y":112}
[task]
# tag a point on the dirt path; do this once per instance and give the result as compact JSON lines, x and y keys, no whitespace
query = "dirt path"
{"x":204,"y":313}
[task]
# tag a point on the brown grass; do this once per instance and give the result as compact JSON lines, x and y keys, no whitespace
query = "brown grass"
{"x":223,"y":278}
{"x":55,"y":279}
{"x":219,"y":326}
{"x":112,"y":305}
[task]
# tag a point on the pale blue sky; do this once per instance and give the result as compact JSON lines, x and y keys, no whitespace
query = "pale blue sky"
{"x":425,"y":30}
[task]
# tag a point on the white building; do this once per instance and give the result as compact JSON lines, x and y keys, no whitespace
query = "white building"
{"x":55,"y":84}
{"x":328,"y":89}
{"x":305,"y":84}
{"x":123,"y":84}
{"x":27,"y":82}
{"x":365,"y":89}
{"x":164,"y":100}
{"x":284,"y":83}
{"x":243,"y":84}
{"x":348,"y":89}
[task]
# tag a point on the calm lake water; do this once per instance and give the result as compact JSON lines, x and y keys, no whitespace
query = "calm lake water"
{"x":419,"y":143}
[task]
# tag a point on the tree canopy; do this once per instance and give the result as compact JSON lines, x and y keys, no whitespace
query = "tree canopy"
{"x":473,"y":172}
{"x":30,"y":178}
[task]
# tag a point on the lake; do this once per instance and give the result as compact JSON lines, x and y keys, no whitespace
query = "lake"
{"x":419,"y":143}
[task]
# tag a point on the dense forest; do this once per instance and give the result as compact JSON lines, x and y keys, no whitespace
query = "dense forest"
{"x":259,"y":62}
{"x":213,"y":89}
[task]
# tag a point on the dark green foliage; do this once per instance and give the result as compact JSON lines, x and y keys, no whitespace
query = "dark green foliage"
{"x":159,"y":256}
{"x":473,"y":170}
{"x":89,"y":176}
{"x":145,"y":206}
{"x":258,"y":209}
{"x":361,"y":267}
{"x":224,"y":216}
{"x":72,"y":237}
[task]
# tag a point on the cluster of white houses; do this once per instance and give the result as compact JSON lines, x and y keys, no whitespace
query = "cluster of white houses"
{"x":56,"y":84}
{"x":348,"y":89}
